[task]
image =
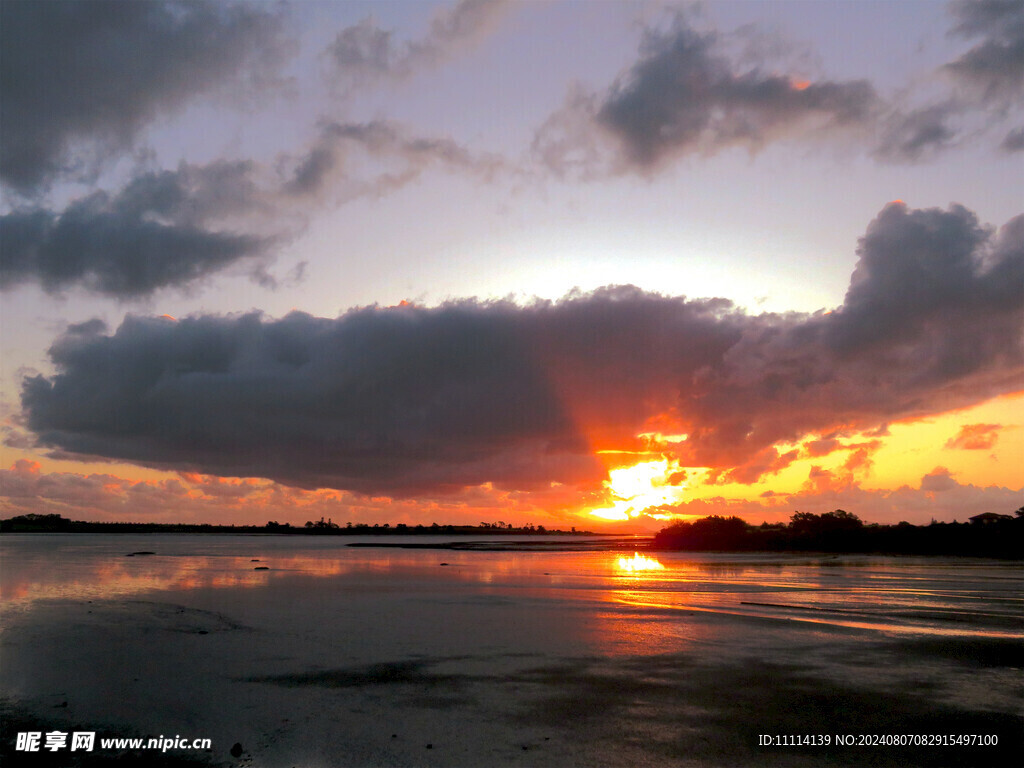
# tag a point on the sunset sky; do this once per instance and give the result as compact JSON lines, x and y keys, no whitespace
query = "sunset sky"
{"x":592,"y":264}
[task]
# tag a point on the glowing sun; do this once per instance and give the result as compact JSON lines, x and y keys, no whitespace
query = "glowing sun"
{"x":638,"y":488}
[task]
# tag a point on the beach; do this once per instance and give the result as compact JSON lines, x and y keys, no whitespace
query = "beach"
{"x":331,"y":655}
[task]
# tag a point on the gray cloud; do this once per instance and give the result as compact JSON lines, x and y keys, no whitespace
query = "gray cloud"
{"x":994,"y":67}
{"x":376,"y":400}
{"x":693,"y":92}
{"x":1014,"y":141}
{"x":78,"y":81}
{"x":159,"y":231}
{"x":938,"y":480}
{"x":407,"y":400}
{"x":325,"y":161}
{"x":988,"y":80}
{"x":917,"y":135}
{"x":916,"y":265}
{"x":365,"y":53}
{"x":171,"y":228}
{"x":932,"y":320}
{"x":686,"y":95}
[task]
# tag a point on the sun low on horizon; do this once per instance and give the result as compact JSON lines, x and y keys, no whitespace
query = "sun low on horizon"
{"x":959,"y":444}
{"x":948,"y":452}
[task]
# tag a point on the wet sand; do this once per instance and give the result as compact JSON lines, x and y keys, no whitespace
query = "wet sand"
{"x":497,"y":659}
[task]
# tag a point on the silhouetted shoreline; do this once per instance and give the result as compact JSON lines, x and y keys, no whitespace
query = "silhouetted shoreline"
{"x":988,"y":535}
{"x":838,"y":532}
{"x":32,"y":523}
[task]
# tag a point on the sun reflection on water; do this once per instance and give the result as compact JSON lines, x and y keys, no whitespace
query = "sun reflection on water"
{"x":634,"y":603}
{"x":639,"y":562}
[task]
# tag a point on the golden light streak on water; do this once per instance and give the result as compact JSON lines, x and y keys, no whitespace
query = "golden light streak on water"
{"x":639,"y":562}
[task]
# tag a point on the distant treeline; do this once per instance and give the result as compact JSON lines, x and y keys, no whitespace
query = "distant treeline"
{"x":33,"y":523}
{"x":988,"y":535}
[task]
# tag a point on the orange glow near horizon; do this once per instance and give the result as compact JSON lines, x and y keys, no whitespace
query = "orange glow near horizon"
{"x":883,"y":460}
{"x":917,"y":447}
{"x":640,"y":487}
{"x":800,"y":85}
{"x":644,"y":482}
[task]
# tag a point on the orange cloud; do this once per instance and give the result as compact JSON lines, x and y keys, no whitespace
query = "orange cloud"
{"x":975,"y":437}
{"x":859,"y":460}
{"x":820,"y":480}
{"x":193,"y":497}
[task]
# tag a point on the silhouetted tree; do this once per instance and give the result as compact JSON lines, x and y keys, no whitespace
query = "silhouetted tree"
{"x":707,"y":533}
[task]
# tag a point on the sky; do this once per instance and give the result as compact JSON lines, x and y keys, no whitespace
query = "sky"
{"x":571,"y":264}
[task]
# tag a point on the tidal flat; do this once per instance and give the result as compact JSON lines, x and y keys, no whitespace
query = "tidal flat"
{"x":303,"y":651}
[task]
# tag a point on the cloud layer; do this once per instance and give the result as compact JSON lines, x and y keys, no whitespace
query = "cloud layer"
{"x":686,"y":95}
{"x":79,"y":81}
{"x":408,"y":400}
{"x":401,"y":157}
{"x":689,"y":93}
{"x":170,"y":229}
{"x":364,"y":53}
{"x":159,"y":231}
{"x":994,"y":66}
{"x":201,"y":498}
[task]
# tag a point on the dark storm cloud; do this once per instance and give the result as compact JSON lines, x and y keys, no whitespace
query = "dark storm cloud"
{"x":365,"y":53}
{"x":78,"y":80}
{"x":399,"y":400}
{"x":686,"y":95}
{"x":407,"y":400}
{"x":921,"y":271}
{"x":157,"y":232}
{"x":933,"y":319}
{"x":995,"y":65}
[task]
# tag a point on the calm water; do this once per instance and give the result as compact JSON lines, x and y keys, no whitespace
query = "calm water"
{"x":266,"y":639}
{"x":886,"y":594}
